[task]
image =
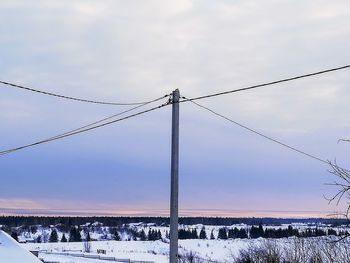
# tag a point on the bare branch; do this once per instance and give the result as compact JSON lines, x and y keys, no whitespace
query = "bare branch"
{"x":343,"y":185}
{"x":343,"y":140}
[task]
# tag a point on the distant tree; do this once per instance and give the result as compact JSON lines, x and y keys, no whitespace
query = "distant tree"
{"x":78,"y":237}
{"x":185,"y":234}
{"x":231,"y":233}
{"x":256,"y":232}
{"x":222,"y":233}
{"x":194,"y":234}
{"x":154,"y":235}
{"x":159,"y":235}
{"x":203,"y":234}
{"x":242,"y":233}
{"x":143,"y":235}
{"x":33,"y":229}
{"x":74,"y":235}
{"x":260,"y":230}
{"x":53,"y":236}
{"x":116,"y":236}
{"x":235,"y":233}
{"x":319,"y":232}
{"x":308,"y":233}
{"x":292,"y":232}
{"x":38,"y":239}
{"x":87,"y":236}
{"x":63,"y":239}
{"x":14,"y":235}
{"x":212,"y":235}
{"x":331,"y":232}
{"x":150,"y":235}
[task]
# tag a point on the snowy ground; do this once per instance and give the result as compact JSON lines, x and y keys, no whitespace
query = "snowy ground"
{"x":156,"y":251}
{"x":12,"y":252}
{"x":68,"y":259}
{"x":153,"y":251}
{"x":218,"y":251}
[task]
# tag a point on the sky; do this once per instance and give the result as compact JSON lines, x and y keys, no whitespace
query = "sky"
{"x":126,"y":51}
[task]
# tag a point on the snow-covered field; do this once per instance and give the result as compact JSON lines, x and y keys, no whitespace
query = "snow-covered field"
{"x":99,"y":232}
{"x":156,"y":251}
{"x":135,"y":250}
{"x":215,"y":251}
{"x":131,"y":247}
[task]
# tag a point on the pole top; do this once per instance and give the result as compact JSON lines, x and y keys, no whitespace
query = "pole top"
{"x":176,"y":96}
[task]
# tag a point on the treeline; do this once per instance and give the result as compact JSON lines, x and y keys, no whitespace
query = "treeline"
{"x":78,"y":234}
{"x":223,"y":233}
{"x":15,"y":221}
{"x":259,"y":231}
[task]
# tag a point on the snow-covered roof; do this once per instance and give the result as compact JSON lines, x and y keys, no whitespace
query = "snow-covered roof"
{"x":11,"y":251}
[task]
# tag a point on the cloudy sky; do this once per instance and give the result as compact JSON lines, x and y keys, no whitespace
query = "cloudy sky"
{"x":138,"y":50}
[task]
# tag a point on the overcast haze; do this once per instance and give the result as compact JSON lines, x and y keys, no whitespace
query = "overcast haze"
{"x":138,"y":50}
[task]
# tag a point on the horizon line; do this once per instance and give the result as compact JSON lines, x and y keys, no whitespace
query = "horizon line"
{"x":224,"y":213}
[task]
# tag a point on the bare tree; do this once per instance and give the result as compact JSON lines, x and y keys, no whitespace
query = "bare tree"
{"x":343,"y":140}
{"x":266,"y":251}
{"x":295,"y":250}
{"x":87,"y":246}
{"x":190,"y":257}
{"x":342,"y":183}
{"x":44,"y":236}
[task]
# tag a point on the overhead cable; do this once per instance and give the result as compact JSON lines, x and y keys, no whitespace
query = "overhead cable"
{"x":89,"y":127}
{"x":259,"y":133}
{"x":270,"y":83}
{"x":69,"y":97}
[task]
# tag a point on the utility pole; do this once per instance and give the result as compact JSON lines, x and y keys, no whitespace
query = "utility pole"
{"x":174,"y":192}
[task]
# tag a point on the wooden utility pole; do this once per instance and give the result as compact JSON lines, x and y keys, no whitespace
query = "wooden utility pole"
{"x":174,"y":192}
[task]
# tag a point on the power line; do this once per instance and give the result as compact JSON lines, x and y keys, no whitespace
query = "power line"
{"x":270,"y":83}
{"x":260,"y":134}
{"x":111,"y":117}
{"x":71,"y":98}
{"x":67,"y":134}
{"x":196,"y":98}
{"x":90,"y":126}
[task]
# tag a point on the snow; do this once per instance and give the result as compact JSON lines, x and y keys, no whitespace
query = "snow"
{"x":69,"y":259}
{"x":156,"y":251}
{"x":100,"y":232}
{"x":153,"y":251}
{"x":11,"y":251}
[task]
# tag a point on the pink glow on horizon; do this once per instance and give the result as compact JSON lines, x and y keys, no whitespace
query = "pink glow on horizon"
{"x":165,"y":213}
{"x":59,"y":208}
